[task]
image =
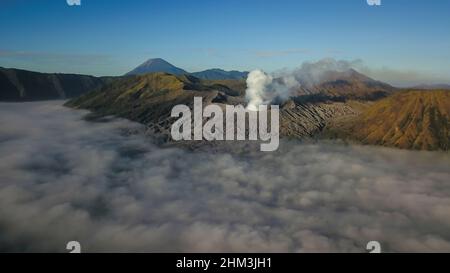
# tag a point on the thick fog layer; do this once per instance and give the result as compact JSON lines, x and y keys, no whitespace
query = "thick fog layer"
{"x":63,"y":179}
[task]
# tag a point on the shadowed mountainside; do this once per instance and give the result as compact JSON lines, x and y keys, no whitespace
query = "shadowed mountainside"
{"x":22,"y":85}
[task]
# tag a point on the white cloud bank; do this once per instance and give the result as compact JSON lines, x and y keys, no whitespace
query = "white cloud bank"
{"x":64,"y":179}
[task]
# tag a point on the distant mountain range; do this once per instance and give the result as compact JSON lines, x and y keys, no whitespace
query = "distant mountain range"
{"x":219,"y":74}
{"x":348,"y":83}
{"x":432,"y":86}
{"x":22,"y":85}
{"x":161,"y":65}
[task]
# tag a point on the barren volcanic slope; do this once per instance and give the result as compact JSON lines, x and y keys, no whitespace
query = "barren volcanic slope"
{"x":149,"y":98}
{"x":300,"y":120}
{"x":409,"y":120}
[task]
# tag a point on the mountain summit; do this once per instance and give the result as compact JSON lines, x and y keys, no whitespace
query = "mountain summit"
{"x":157,"y":65}
{"x":161,"y":65}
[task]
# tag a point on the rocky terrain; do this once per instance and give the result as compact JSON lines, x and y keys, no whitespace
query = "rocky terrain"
{"x":299,"y":120}
{"x":346,"y":108}
{"x":149,"y":98}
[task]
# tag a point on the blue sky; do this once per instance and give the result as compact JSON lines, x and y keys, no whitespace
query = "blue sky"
{"x":407,"y":39}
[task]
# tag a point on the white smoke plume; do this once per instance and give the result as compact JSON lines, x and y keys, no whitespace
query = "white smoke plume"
{"x":312,"y":73}
{"x":263,"y":88}
{"x":257,"y":85}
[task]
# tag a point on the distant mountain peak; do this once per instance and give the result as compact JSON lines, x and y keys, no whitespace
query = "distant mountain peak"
{"x":220,"y":74}
{"x":153,"y":61}
{"x":156,"y":65}
{"x":160,"y":65}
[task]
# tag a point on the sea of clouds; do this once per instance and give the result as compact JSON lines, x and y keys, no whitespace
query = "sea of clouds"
{"x":63,"y":178}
